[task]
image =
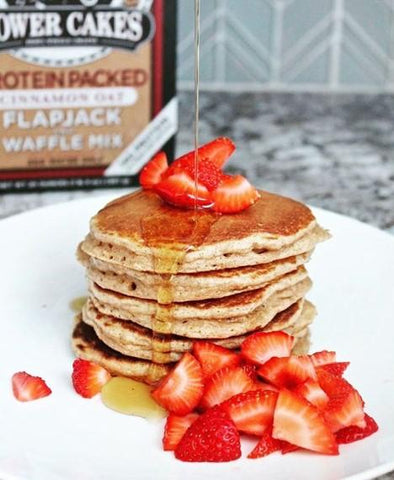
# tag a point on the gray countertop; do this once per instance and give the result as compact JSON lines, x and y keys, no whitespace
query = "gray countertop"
{"x":331,"y":151}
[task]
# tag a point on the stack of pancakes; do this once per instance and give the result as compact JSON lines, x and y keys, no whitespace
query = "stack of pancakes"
{"x":160,"y":277}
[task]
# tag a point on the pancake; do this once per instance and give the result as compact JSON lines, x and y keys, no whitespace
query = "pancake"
{"x":141,"y":232}
{"x":216,"y":308}
{"x":88,"y":346}
{"x":208,"y":327}
{"x":187,"y":287}
{"x":133,"y":340}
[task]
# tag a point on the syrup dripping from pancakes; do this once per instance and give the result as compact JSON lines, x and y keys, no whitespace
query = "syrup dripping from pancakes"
{"x":167,"y":261}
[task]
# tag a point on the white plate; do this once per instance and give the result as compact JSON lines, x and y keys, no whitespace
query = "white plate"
{"x":67,"y":437}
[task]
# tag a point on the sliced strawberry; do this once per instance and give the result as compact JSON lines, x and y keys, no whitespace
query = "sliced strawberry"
{"x":252,"y":412}
{"x":153,"y":171}
{"x":180,"y":190}
{"x":332,"y":384}
{"x":288,"y":372}
{"x":175,"y":429}
{"x":225,"y":383}
{"x":335,"y":368}
{"x":266,"y":445}
{"x":300,"y":423}
{"x":234,"y":194}
{"x":250,"y":370}
{"x":352,"y":434}
{"x":26,"y":387}
{"x":345,"y":410}
{"x":312,"y":391}
{"x":214,"y":357}
{"x":217,"y":151}
{"x":262,"y":346}
{"x":213,"y":437}
{"x":88,"y":378}
{"x":181,"y":390}
{"x":323,"y":357}
{"x":208,"y":174}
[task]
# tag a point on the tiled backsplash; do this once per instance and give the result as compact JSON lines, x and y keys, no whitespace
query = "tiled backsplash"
{"x":334,"y":45}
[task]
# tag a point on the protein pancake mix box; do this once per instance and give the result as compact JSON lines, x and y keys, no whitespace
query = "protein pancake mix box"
{"x":87,"y":91}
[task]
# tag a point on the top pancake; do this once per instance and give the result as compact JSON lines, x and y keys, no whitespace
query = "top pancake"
{"x":141,"y":224}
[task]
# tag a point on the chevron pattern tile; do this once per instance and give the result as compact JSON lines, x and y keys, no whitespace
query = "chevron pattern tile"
{"x":333,"y":45}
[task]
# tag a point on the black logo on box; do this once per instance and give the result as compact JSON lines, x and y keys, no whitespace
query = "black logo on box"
{"x":35,"y":23}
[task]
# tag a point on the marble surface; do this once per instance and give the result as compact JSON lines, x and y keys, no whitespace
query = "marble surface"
{"x":331,"y":151}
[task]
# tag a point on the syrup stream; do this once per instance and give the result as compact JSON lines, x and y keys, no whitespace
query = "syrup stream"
{"x":125,"y":395}
{"x":196,"y":90}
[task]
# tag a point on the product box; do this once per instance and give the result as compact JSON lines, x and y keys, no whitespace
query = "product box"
{"x":87,"y":91}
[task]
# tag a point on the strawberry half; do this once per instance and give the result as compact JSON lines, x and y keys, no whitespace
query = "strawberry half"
{"x":262,"y":346}
{"x":234,"y":194}
{"x":288,"y":372}
{"x":213,"y":437}
{"x":175,"y":428}
{"x":312,"y":391}
{"x":266,"y":445}
{"x":217,"y":151}
{"x":153,"y":171}
{"x":252,"y":412}
{"x":181,"y":390}
{"x":180,"y":190}
{"x":26,"y":387}
{"x":225,"y":383}
{"x":323,"y":357}
{"x":300,"y":423}
{"x":88,"y":378}
{"x":352,"y":434}
{"x":214,"y":357}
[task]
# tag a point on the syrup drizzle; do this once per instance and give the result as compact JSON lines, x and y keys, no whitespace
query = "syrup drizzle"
{"x":126,"y":395}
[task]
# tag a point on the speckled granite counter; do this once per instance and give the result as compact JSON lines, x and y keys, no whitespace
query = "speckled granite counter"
{"x":335,"y":152}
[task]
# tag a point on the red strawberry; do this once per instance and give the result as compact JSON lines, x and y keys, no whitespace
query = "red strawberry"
{"x":312,"y":391}
{"x":25,"y":387}
{"x":252,"y":412}
{"x":214,"y":357}
{"x":345,"y":410}
{"x":88,"y":378}
{"x":335,"y":368}
{"x":352,"y":434}
{"x":208,"y":175}
{"x":260,"y":347}
{"x":152,"y":172}
{"x":180,"y":190}
{"x":323,"y":357}
{"x":300,"y":423}
{"x":332,"y":384}
{"x":266,"y":445}
{"x":213,"y":437}
{"x":180,"y":391}
{"x":286,"y":447}
{"x":288,"y":372}
{"x":175,"y":429}
{"x":234,"y":194}
{"x":225,"y":383}
{"x":217,"y":151}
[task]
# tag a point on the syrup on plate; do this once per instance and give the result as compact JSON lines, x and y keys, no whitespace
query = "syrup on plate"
{"x":130,"y":397}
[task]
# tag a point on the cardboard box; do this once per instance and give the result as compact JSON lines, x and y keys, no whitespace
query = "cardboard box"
{"x":87,"y":91}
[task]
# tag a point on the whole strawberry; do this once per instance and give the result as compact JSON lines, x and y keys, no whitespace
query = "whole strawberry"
{"x":213,"y":437}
